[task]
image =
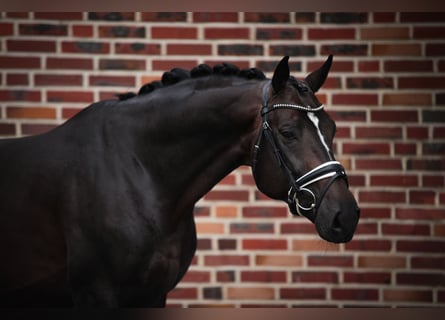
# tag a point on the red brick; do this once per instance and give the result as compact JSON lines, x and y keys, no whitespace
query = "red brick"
{"x":226,"y":33}
{"x":378,"y":132}
{"x":375,"y":212}
{"x":405,"y":229}
{"x":68,"y":113}
{"x":355,"y":294}
{"x":420,"y":82}
{"x":398,"y":116}
{"x":196,"y":276}
{"x":121,"y":31}
{"x":204,"y":244}
{"x":330,"y":261}
{"x":58,"y":80}
{"x":31,"y":46}
{"x":364,"y":228}
{"x":350,"y":115}
{"x":303,"y":293}
{"x":59,"y":15}
{"x":232,"y":195}
{"x":17,"y":79}
{"x":162,"y":65}
{"x":380,"y":17}
{"x":82,"y":31}
{"x":264,"y":212}
{"x":297,"y":228}
{"x":183,"y":293}
{"x":225,"y":276}
{"x":276,"y":260}
{"x":29,"y":62}
{"x":407,"y":99}
{"x":7,"y":129}
{"x":394,"y":180}
{"x":385,"y":33}
{"x":273,"y":17}
{"x":314,"y":277}
{"x":105,"y":80}
{"x":368,"y":66}
{"x":189,"y":49}
{"x":408,"y":66}
{"x":122,"y":64}
{"x":428,"y":263}
{"x":427,"y":17}
{"x":422,"y":196}
{"x":263,"y":276}
{"x":382,"y":196}
{"x":278,"y":33}
{"x":86,"y":47}
{"x":174,"y":33}
{"x":426,"y":246}
{"x":69,"y":63}
{"x":417,"y":132}
{"x":382,"y":261}
{"x":407,"y":295}
{"x":31,"y":112}
{"x":111,"y":16}
{"x":226,"y":260}
{"x":369,"y":245}
{"x":405,"y":148}
{"x":370,"y":83}
{"x":421,"y":279}
{"x":367,"y":277}
{"x":138,"y":48}
{"x":396,"y":49}
{"x":34,"y":129}
{"x":354,"y":99}
{"x":43,"y":29}
{"x":18,"y":15}
{"x":264,"y":244}
{"x":239,"y":228}
{"x":20,"y":95}
{"x":227,"y":244}
{"x":420,"y":214}
{"x":426,"y":164}
{"x":438,"y":132}
{"x":337,"y":66}
{"x":433,"y":181}
{"x":435,"y":49}
{"x":215,"y":17}
{"x":330,"y":33}
{"x":164,"y":16}
{"x":378,"y":164}
{"x":366,"y":148}
{"x":70,"y":96}
{"x":6,"y":29}
{"x":250,"y":293}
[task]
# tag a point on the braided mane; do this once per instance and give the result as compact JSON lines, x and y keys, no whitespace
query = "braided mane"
{"x":176,"y":75}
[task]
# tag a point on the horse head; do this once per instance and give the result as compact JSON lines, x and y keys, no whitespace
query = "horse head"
{"x":293,"y":158}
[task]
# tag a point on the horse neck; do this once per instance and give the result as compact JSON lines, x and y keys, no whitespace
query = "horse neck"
{"x":190,"y":139}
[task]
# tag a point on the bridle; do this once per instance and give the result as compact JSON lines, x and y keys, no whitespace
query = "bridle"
{"x":298,"y":186}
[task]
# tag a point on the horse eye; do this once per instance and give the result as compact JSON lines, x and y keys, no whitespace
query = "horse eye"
{"x":287,"y":133}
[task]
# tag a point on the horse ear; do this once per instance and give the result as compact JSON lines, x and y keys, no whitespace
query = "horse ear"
{"x":281,"y":74}
{"x":316,"y":79}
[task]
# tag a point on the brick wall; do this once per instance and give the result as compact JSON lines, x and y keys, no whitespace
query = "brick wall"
{"x":386,"y":91}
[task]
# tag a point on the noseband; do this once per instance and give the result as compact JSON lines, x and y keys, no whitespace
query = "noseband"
{"x":298,"y":186}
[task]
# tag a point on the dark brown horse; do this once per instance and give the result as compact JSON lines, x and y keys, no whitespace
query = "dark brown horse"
{"x":99,"y":211}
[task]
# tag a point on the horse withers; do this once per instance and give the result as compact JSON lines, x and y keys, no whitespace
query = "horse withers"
{"x":99,"y":211}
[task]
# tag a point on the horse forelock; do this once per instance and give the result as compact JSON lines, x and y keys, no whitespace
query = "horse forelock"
{"x":176,"y":75}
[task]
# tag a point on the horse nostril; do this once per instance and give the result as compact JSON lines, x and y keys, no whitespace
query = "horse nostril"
{"x":336,"y":224}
